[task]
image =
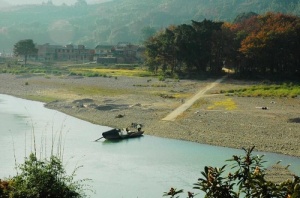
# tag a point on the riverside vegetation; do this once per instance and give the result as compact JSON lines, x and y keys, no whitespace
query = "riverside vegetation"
{"x":39,"y":177}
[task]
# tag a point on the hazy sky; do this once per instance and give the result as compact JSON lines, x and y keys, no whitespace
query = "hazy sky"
{"x":56,"y":2}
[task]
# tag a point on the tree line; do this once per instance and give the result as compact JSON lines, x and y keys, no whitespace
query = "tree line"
{"x":265,"y":45}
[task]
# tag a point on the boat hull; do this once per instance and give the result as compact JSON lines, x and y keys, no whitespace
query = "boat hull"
{"x":117,"y":134}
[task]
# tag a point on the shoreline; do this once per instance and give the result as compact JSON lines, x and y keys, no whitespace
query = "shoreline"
{"x":215,"y":119}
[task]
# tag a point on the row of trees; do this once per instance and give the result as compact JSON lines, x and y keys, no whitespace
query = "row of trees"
{"x":186,"y":47}
{"x":257,"y":44}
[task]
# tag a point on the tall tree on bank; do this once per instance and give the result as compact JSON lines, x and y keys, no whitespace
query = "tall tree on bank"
{"x":192,"y":46}
{"x":25,"y":48}
{"x":271,"y":44}
{"x":206,"y":45}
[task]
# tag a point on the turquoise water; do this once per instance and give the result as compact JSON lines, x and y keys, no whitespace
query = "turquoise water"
{"x":143,"y":167}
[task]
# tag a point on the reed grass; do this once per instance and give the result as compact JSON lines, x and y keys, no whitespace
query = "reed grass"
{"x":44,"y":176}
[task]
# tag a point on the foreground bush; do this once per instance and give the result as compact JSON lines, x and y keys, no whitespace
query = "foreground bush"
{"x":247,"y":179}
{"x":41,"y":178}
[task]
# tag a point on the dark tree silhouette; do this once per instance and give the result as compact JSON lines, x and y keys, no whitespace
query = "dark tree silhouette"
{"x":25,"y":48}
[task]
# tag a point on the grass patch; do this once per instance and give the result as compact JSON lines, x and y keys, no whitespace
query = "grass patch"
{"x":284,"y":90}
{"x":110,"y":72}
{"x":18,"y":69}
{"x":76,"y":69}
{"x":169,"y":95}
{"x":199,"y":103}
{"x":45,"y":99}
{"x":227,"y":104}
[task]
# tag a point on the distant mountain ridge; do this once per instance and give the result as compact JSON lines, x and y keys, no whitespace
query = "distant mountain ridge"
{"x":120,"y":20}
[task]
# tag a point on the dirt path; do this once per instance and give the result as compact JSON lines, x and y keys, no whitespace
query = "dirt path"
{"x":182,"y":108}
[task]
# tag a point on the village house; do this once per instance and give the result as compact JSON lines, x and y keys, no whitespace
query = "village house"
{"x":104,"y":54}
{"x":47,"y":52}
{"x":122,"y":53}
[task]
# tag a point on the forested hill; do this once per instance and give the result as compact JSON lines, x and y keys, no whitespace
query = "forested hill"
{"x":120,"y":20}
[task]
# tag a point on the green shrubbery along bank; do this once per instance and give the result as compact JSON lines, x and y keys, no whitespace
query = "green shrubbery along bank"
{"x":246,"y":179}
{"x":42,"y":178}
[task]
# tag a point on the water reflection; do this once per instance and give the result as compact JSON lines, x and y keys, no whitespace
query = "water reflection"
{"x":140,"y":167}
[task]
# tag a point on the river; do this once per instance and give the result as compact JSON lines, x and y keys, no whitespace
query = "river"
{"x":144,"y":167}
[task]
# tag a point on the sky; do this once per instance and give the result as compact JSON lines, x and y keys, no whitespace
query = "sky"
{"x":56,"y":2}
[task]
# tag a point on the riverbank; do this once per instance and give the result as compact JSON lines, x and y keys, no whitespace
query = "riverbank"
{"x":215,"y":119}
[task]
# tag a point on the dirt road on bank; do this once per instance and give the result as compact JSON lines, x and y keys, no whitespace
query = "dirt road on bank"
{"x":182,"y":108}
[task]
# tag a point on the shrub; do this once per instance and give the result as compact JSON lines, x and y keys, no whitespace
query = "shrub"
{"x":161,"y":78}
{"x":44,"y":178}
{"x":5,"y":187}
{"x":247,"y":179}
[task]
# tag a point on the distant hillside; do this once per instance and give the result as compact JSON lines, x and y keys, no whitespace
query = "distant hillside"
{"x":120,"y":20}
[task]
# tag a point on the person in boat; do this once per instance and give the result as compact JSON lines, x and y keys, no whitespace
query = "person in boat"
{"x":139,"y":127}
{"x":124,"y":132}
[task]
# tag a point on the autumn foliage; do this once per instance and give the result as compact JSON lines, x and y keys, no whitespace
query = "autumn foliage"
{"x":261,"y":45}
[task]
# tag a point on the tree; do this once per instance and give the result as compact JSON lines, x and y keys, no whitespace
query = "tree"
{"x":25,"y":48}
{"x":187,"y":51}
{"x":274,"y":45}
{"x":160,"y":49}
{"x":205,"y":31}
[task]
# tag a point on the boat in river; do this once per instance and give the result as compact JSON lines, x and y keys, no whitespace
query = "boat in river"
{"x":117,"y":134}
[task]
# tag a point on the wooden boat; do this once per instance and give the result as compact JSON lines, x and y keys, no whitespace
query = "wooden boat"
{"x":117,"y":134}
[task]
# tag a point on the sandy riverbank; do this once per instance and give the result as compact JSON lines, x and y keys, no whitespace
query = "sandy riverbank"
{"x":215,"y":119}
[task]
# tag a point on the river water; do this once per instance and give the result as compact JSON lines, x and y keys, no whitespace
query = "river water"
{"x":144,"y":167}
